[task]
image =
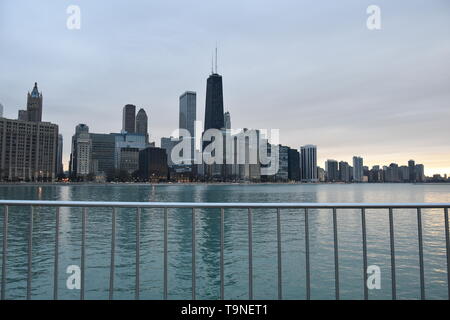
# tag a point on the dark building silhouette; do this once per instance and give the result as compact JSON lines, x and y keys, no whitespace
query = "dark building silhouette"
{"x":102,"y":153}
{"x":214,"y":117}
{"x":153,"y":164}
{"x":129,"y":118}
{"x":22,"y":115}
{"x":142,"y":123}
{"x":293,"y":165}
{"x":412,"y":170}
{"x":34,"y":105}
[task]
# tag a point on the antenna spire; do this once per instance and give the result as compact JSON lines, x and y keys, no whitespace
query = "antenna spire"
{"x":216,"y":59}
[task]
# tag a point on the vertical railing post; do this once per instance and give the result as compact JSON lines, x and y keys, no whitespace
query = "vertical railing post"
{"x":83,"y":252}
{"x":419,"y":233}
{"x":222,"y":248}
{"x":138,"y":253}
{"x":56,"y":261}
{"x":364,"y":239}
{"x":447,"y":240}
{"x":308,"y":275}
{"x":336,"y":254}
{"x":5,"y":251}
{"x":113,"y":253}
{"x":30,"y":254}
{"x":391,"y":232}
{"x":166,"y":262}
{"x":280,"y":282}
{"x":193,"y":256}
{"x":250,"y":254}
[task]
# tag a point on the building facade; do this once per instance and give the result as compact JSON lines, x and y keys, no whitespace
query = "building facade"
{"x":294,"y":165}
{"x":142,"y":123}
{"x":102,"y":153}
{"x":187,"y":118}
{"x":214,"y":116}
{"x":28,"y":150}
{"x":344,"y":171}
{"x":129,"y":118}
{"x":59,"y":156}
{"x":358,"y":172}
{"x":332,"y":170}
{"x":153,"y":165}
{"x":308,"y":163}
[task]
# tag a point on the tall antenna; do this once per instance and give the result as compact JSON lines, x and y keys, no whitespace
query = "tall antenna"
{"x":216,"y":58}
{"x":212,"y":63}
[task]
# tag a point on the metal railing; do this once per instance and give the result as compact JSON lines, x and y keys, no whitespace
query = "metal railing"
{"x":222,"y":206}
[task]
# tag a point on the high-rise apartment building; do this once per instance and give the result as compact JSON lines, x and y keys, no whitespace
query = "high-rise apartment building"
{"x":308,"y":163}
{"x":412,"y":171}
{"x":27,"y":150}
{"x":344,"y":171}
{"x":332,"y":170}
{"x":358,"y":171}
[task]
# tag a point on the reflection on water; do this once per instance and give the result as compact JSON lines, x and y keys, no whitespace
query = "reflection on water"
{"x":236,"y":245}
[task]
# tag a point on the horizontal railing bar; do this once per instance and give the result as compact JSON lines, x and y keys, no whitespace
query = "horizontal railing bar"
{"x":224,"y":205}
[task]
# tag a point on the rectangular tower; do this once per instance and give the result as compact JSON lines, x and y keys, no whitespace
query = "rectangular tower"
{"x":129,"y":118}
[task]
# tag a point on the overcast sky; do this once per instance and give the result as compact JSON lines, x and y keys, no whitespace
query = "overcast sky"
{"x":309,"y":68}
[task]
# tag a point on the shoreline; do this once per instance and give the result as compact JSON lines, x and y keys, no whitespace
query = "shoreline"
{"x":202,"y":183}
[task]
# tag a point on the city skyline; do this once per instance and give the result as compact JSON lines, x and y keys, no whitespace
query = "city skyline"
{"x":379,"y":95}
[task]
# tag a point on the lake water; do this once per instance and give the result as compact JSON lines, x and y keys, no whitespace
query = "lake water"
{"x":236,"y":249}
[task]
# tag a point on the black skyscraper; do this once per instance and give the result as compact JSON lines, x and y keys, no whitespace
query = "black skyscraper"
{"x":214,"y":118}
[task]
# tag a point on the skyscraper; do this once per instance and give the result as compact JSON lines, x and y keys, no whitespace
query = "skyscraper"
{"x":344,"y":171}
{"x":214,"y":117}
{"x":142,"y":123}
{"x":227,"y":120}
{"x":308,"y":162}
{"x":294,"y":165}
{"x":187,"y":118}
{"x":412,"y":171}
{"x":80,"y":157}
{"x":332,"y":170}
{"x":188,"y":111}
{"x":129,"y":118}
{"x":34,"y":105}
{"x":358,"y":169}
